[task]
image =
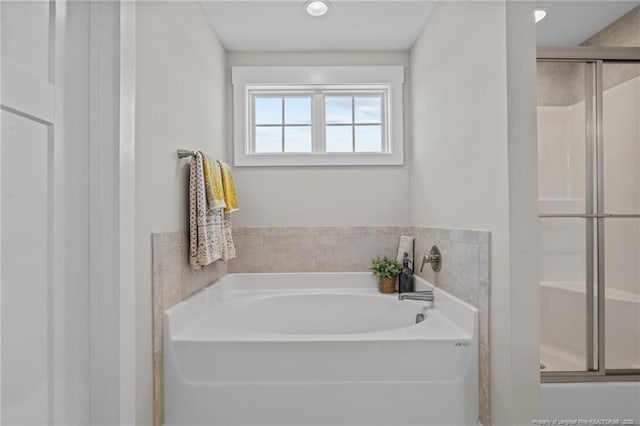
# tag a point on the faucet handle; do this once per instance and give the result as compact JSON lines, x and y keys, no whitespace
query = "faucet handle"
{"x":434,"y":258}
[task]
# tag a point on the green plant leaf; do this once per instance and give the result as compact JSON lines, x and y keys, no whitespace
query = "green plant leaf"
{"x":385,"y":267}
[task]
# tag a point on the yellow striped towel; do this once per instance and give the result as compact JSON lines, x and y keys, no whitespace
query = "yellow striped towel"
{"x":228,"y":188}
{"x":213,"y":183}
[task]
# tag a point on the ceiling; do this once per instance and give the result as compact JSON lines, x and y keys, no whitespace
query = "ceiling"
{"x":569,"y":23}
{"x":267,"y":25}
{"x":350,"y":25}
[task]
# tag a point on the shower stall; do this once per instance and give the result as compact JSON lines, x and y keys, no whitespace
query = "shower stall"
{"x":589,"y":208}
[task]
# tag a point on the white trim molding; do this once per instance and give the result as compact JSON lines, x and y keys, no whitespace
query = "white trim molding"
{"x":390,"y":79}
{"x":126,"y":215}
{"x":112,"y":212}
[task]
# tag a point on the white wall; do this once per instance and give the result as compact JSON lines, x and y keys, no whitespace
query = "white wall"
{"x":180,"y":103}
{"x":473,"y":166}
{"x":290,"y":196}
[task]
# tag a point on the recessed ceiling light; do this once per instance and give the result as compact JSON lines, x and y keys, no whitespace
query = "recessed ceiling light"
{"x":540,"y":14}
{"x":316,"y":7}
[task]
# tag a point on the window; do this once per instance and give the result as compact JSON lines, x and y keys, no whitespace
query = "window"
{"x":317,"y":116}
{"x":348,"y":122}
{"x":282,"y":123}
{"x":354,"y":123}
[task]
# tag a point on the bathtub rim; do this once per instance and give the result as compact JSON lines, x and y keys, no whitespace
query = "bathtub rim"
{"x":184,"y":313}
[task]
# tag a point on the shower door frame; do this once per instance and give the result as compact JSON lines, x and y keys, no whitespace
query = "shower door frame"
{"x":594,"y":140}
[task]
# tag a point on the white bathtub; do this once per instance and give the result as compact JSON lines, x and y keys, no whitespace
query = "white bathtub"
{"x":318,"y":349}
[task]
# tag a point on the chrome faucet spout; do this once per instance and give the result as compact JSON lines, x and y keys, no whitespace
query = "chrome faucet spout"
{"x":426,"y":296}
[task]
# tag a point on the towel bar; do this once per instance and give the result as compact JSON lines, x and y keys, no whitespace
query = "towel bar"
{"x":184,"y":153}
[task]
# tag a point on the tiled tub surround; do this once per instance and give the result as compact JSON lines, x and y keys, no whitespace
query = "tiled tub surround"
{"x":173,"y":280}
{"x":464,"y":274}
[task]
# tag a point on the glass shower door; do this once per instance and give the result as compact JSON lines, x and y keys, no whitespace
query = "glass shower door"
{"x":567,"y":209}
{"x":620,"y":193}
{"x":589,"y":208}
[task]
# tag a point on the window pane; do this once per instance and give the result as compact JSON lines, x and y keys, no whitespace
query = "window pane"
{"x":338,"y":110}
{"x":368,"y":138}
{"x":268,"y":110}
{"x":339,"y":139}
{"x":297,"y":110}
{"x":368,"y":110}
{"x":297,"y":139}
{"x":268,"y":139}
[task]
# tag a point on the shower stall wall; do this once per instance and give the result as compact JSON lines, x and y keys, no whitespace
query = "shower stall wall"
{"x":589,"y":206}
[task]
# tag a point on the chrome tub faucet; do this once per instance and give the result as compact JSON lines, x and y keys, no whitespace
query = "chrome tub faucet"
{"x":426,"y":296}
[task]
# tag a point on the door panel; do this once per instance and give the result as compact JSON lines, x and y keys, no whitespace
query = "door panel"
{"x":621,"y":192}
{"x":44,"y":152}
{"x":25,"y":271}
{"x":564,"y":319}
{"x":566,"y":199}
{"x":607,"y":307}
{"x":622,"y":291}
{"x":25,"y":36}
{"x":28,"y":126}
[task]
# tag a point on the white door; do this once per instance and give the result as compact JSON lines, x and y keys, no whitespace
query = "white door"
{"x":44,"y":348}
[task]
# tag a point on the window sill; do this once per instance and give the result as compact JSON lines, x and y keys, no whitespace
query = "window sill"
{"x":320,"y":159}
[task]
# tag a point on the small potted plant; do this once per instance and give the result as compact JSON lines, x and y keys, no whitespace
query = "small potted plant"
{"x":387,"y":270}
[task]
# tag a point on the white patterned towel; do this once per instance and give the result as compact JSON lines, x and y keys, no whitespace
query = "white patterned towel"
{"x":228,"y":248}
{"x":205,"y":225}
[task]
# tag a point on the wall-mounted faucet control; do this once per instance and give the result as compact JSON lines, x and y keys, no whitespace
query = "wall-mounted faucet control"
{"x":434,"y":258}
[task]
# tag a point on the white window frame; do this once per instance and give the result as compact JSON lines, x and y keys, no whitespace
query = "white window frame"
{"x":346,"y":81}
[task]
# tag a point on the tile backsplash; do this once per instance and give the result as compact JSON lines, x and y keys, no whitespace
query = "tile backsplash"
{"x":313,"y":249}
{"x":464,"y":273}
